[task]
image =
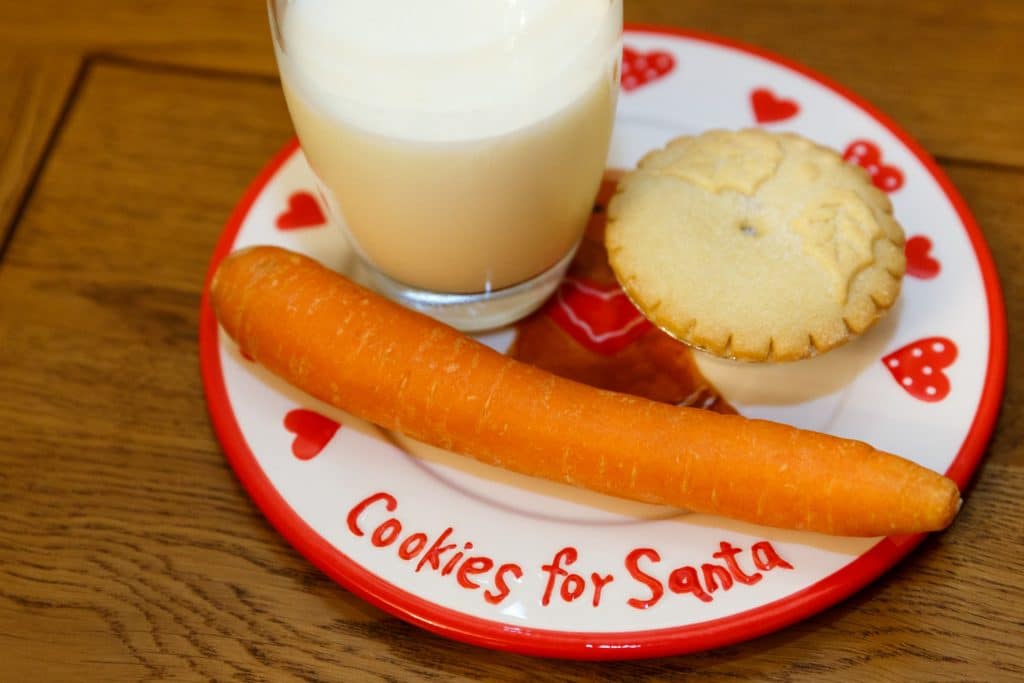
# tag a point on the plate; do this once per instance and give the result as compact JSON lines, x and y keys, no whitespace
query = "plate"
{"x":508,"y":562}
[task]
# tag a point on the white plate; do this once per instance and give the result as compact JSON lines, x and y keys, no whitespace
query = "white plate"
{"x":543,"y":569}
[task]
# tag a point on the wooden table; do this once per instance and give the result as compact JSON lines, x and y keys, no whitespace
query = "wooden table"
{"x":129,"y":551}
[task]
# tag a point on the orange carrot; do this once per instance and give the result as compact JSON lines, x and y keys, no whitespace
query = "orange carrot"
{"x":403,"y":371}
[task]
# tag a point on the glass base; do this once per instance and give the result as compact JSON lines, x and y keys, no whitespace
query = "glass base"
{"x":472,"y":312}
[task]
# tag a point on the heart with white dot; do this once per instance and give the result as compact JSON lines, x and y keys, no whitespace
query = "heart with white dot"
{"x":918,"y":367}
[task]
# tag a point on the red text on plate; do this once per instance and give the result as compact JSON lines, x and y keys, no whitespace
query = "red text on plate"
{"x":433,"y":551}
{"x":918,"y":367}
{"x":641,"y":68}
{"x":868,"y":156}
{"x":571,"y":586}
{"x":702,"y":583}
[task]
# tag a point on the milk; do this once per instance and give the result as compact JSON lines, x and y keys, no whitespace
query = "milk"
{"x":460,"y":142}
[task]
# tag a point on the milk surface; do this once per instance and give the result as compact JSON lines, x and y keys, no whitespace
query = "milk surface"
{"x":445,"y":69}
{"x":459,"y":142}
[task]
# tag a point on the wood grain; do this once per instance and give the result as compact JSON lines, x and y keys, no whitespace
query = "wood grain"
{"x":36,"y":85}
{"x":127,"y":549}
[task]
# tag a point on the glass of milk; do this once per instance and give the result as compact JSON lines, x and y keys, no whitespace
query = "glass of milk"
{"x":458,"y":143}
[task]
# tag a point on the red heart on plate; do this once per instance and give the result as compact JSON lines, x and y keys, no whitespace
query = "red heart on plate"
{"x":312,"y":432}
{"x":768,"y":108}
{"x":302,"y":212}
{"x":920,"y":262}
{"x":640,"y":68}
{"x":599,"y":317}
{"x":917,"y":367}
{"x":868,"y":156}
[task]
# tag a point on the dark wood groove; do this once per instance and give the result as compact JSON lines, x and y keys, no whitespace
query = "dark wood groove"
{"x":40,"y":165}
{"x":156,"y":66}
{"x":980,"y":164}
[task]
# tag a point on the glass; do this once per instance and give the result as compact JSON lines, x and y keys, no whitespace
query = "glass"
{"x":458,"y":143}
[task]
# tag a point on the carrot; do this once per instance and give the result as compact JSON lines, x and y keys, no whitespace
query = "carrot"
{"x":368,"y":356}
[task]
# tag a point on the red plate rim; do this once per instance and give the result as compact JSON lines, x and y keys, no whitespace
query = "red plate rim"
{"x":606,"y":645}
